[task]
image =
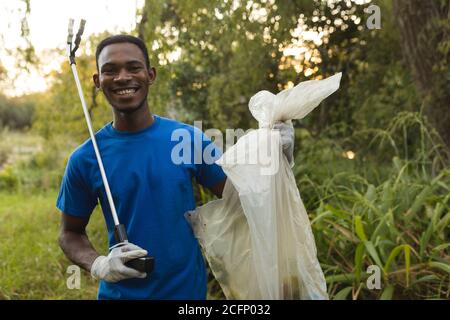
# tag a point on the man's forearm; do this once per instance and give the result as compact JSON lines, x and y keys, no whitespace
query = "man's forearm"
{"x":218,"y":188}
{"x":78,"y":249}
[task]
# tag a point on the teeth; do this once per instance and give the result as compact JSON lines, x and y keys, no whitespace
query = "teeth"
{"x":126,"y":91}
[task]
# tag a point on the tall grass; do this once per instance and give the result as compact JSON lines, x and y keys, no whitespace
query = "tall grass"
{"x":397,"y":219}
{"x":400,"y":225}
{"x":32,"y":266}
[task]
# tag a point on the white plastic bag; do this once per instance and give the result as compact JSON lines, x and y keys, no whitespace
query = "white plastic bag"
{"x":257,"y":238}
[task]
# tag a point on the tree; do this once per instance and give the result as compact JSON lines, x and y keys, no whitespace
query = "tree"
{"x":59,"y":111}
{"x":425,"y":40}
{"x":16,"y":113}
{"x":229,"y":50}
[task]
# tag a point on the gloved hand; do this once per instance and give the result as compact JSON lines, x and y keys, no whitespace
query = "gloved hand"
{"x":287,"y":139}
{"x":112,"y":268}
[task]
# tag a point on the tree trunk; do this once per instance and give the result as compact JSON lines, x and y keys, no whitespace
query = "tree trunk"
{"x":141,"y":24}
{"x":422,"y":30}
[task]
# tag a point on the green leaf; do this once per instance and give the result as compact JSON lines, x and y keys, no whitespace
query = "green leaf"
{"x":420,"y":199}
{"x":388,"y":292}
{"x":340,"y":278}
{"x":387,"y":197}
{"x":428,"y":278}
{"x":373,"y":252}
{"x":321,"y":216}
{"x":371,"y":193}
{"x":342,"y":295}
{"x":397,"y":163}
{"x":407,"y":250}
{"x":338,"y":213}
{"x":359,"y":254}
{"x":392,"y":255}
{"x":360,"y":229}
{"x":425,"y":238}
{"x":443,"y":223}
{"x":437,"y":213}
{"x":442,"y":266}
{"x":440,"y":247}
{"x":381,"y":224}
{"x":202,"y":194}
{"x":344,"y":231}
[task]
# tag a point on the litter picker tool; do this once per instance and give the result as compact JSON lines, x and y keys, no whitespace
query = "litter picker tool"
{"x":143,"y":264}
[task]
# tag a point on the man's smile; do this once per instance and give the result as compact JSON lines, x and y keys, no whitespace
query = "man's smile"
{"x":125,"y":92}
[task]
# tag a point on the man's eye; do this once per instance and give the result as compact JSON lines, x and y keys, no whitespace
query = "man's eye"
{"x":135,"y":69}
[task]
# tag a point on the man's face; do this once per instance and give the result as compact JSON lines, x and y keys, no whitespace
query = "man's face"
{"x":123,"y":76}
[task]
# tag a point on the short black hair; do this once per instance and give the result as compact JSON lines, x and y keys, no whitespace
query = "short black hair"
{"x":123,"y":38}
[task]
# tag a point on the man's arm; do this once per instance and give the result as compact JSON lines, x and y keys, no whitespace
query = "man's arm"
{"x":75,"y":243}
{"x":217,"y":189}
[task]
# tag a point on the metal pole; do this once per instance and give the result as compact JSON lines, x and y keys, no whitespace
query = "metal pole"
{"x":71,"y":54}
{"x":94,"y":143}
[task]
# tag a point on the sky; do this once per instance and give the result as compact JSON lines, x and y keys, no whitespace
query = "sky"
{"x":48,"y":30}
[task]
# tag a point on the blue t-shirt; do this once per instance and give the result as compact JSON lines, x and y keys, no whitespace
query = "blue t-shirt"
{"x":150,"y":175}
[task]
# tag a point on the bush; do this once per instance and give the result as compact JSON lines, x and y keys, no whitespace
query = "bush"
{"x":398,"y":226}
{"x":4,"y":154}
{"x":8,"y":179}
{"x":15,"y":114}
{"x":370,"y":211}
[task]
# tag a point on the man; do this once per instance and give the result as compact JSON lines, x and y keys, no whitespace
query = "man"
{"x":150,"y":191}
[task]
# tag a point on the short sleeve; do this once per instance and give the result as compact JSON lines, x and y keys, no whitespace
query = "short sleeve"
{"x":208,"y":173}
{"x":74,"y":196}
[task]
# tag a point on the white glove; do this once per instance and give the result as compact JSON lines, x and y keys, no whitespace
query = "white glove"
{"x":112,"y":268}
{"x":287,"y":139}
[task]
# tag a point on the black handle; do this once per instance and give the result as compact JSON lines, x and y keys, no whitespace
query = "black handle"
{"x":143,"y":264}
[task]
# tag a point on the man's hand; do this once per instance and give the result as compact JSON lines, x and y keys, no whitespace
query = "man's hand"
{"x":112,"y":268}
{"x":287,"y":139}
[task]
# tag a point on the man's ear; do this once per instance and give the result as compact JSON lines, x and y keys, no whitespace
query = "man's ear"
{"x":96,"y":81}
{"x":151,"y":75}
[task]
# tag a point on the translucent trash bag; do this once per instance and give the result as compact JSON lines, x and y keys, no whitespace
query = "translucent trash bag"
{"x":258,"y":239}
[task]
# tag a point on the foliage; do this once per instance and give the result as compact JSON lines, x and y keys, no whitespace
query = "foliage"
{"x":8,"y":181}
{"x":59,"y":112}
{"x":363,"y":216}
{"x":16,"y":113}
{"x":230,"y":50}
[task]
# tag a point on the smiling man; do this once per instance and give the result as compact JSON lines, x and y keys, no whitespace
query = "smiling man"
{"x":150,"y":191}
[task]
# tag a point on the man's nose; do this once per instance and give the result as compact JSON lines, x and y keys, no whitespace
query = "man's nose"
{"x":123,"y":75}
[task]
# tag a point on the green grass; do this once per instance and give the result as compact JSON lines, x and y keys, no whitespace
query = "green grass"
{"x":32,"y":266}
{"x":18,"y":146}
